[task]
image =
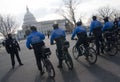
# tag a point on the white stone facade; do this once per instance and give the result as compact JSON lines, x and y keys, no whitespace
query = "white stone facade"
{"x":46,"y":26}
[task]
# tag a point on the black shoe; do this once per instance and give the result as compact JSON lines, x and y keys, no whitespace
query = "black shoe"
{"x":59,"y":66}
{"x":21,"y":64}
{"x":13,"y":67}
{"x":102,"y":52}
{"x":79,"y":54}
{"x":42,"y":73}
{"x":98,"y":53}
{"x":86,"y":58}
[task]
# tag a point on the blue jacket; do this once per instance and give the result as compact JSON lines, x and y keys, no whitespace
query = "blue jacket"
{"x":33,"y":38}
{"x":77,"y":30}
{"x":107,"y":25}
{"x":56,"y":34}
{"x":95,"y":24}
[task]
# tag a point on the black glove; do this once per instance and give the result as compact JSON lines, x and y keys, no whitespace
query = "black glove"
{"x":90,"y":34}
{"x":75,"y":39}
{"x":30,"y":48}
{"x":72,"y":38}
{"x":19,"y":49}
{"x":52,"y":43}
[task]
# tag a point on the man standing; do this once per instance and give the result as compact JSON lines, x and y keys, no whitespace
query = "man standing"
{"x":35,"y":41}
{"x":12,"y":47}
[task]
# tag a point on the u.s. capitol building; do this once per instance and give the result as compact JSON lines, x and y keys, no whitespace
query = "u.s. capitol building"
{"x":44,"y":26}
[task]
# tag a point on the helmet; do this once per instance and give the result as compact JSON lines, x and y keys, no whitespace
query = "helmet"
{"x":55,"y":26}
{"x":33,"y":28}
{"x":106,"y":19}
{"x":9,"y":35}
{"x":79,"y":23}
{"x":94,"y":17}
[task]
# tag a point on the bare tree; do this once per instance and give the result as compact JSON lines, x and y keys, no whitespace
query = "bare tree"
{"x":106,"y":12}
{"x":117,"y":13}
{"x":7,"y":25}
{"x":68,"y":12}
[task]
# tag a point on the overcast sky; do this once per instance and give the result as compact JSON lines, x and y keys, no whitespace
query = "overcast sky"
{"x":45,"y":9}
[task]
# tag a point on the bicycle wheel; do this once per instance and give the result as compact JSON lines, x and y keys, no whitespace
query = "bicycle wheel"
{"x":118,"y":44}
{"x":50,"y":68}
{"x":113,"y":51}
{"x":91,"y":55}
{"x":75,"y":52}
{"x":68,"y":61}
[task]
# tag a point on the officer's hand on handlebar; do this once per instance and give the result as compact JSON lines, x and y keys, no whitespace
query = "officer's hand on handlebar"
{"x":90,"y":34}
{"x":74,"y":39}
{"x":30,"y":48}
{"x":53,"y":43}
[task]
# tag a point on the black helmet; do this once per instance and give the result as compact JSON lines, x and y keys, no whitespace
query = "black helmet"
{"x":79,"y":23}
{"x":106,"y":19}
{"x":9,"y":35}
{"x":55,"y":26}
{"x":94,"y":17}
{"x":33,"y":28}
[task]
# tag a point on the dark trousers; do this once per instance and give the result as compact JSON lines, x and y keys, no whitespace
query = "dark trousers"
{"x":98,"y":39}
{"x":12,"y":55}
{"x":59,"y":44}
{"x":38,"y":61}
{"x":38,"y":54}
{"x":79,"y":42}
{"x":60,"y":54}
{"x":82,"y":39}
{"x":99,"y":42}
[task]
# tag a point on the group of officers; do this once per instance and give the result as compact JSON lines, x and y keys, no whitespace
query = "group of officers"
{"x":35,"y":40}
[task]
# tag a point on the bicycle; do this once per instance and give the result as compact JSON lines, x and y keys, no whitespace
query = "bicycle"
{"x":65,"y":55}
{"x":89,"y":53}
{"x":46,"y":62}
{"x":110,"y":45}
{"x":117,"y":37}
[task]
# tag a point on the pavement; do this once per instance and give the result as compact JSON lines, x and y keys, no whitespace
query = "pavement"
{"x":106,"y":69}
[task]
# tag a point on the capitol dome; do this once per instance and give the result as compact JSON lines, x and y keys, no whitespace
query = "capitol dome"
{"x":29,"y":18}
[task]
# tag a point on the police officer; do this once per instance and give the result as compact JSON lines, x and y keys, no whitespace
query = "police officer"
{"x":95,"y":28}
{"x":115,"y":23}
{"x":12,"y":47}
{"x":35,"y":41}
{"x":81,"y":33}
{"x":119,"y":22}
{"x":119,"y":27}
{"x":108,"y":30}
{"x":58,"y":35}
{"x":108,"y":26}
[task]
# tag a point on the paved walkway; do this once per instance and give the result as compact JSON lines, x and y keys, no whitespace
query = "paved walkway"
{"x":107,"y":69}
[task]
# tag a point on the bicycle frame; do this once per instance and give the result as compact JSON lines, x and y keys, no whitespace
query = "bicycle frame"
{"x":64,"y":52}
{"x":44,"y":58}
